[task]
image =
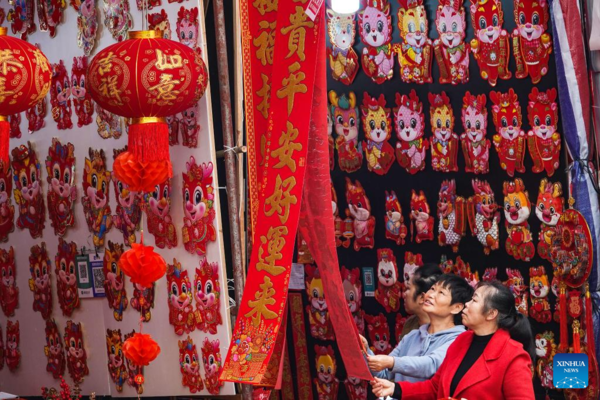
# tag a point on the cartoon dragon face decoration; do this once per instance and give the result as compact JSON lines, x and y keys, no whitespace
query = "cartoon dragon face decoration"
{"x":410,"y":128}
{"x":451,"y":23}
{"x":181,"y":312}
{"x":326,"y":366}
{"x":531,"y":18}
{"x":76,"y":354}
{"x":412,"y":22}
{"x":116,"y":360}
{"x":375,"y":24}
{"x":54,"y":350}
{"x":60,"y":96}
{"x":344,"y":111}
{"x":352,"y":288}
{"x":211,"y":358}
{"x":189,"y":364}
{"x":484,"y":216}
{"x":143,"y":300}
{"x":40,"y":283}
{"x":28,"y":190}
{"x":96,"y":187}
{"x":343,"y":60}
{"x":159,"y":220}
{"x":444,"y":146}
{"x":487,"y":18}
{"x":517,"y":206}
{"x":188,"y":26}
{"x":7,"y":210}
{"x":550,"y":203}
{"x":129,"y":211}
{"x":395,"y":229}
{"x":198,"y":203}
{"x":82,"y":99}
{"x":379,"y":333}
{"x":189,"y":126}
{"x":378,"y":129}
{"x":318,"y":312}
{"x":9,"y":292}
{"x":160,"y":22}
{"x":62,"y":193}
{"x":66,"y":277}
{"x":506,"y":111}
{"x":544,"y":141}
{"x":207,"y":296}
{"x":114,"y":280}
{"x":475,"y":146}
{"x":421,"y":218}
{"x":13,"y":339}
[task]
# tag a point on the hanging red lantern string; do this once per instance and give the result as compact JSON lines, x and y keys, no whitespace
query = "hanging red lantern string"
{"x":25,"y":76}
{"x":141,"y":349}
{"x":142,"y":264}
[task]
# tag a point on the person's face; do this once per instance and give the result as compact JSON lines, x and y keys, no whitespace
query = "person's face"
{"x":412,"y":305}
{"x":438,"y":302}
{"x":473,"y":315}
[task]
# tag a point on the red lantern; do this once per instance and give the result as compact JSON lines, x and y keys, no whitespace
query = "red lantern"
{"x":142,"y":264}
{"x":146,"y":78}
{"x":141,"y":349}
{"x":25,"y":76}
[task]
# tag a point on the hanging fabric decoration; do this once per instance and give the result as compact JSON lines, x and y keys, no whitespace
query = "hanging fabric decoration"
{"x":116,"y":361}
{"x":484,"y":216}
{"x":62,"y":192}
{"x":395,"y":229}
{"x":54,"y":350}
{"x":415,"y":54}
{"x":82,"y":100}
{"x":377,"y":125}
{"x":66,"y":277}
{"x":344,"y":110}
{"x":40,"y":283}
{"x":21,"y":18}
{"x":9,"y":292}
{"x":550,"y":207}
{"x":96,"y":189}
{"x":451,"y":213}
{"x":173,"y":77}
{"x":76,"y":353}
{"x":26,"y":79}
{"x":517,"y":209}
{"x":377,"y":56}
{"x":189,"y":365}
{"x":510,"y":138}
{"x":421,"y":219}
{"x":451,"y":52}
{"x":410,"y":129}
{"x":444,"y":143}
{"x":160,"y":223}
{"x":544,"y":141}
{"x":475,"y":146}
{"x":13,"y":339}
{"x":207,"y":294}
{"x":114,"y":281}
{"x":343,"y":60}
{"x":60,"y":96}
{"x":129,"y":210}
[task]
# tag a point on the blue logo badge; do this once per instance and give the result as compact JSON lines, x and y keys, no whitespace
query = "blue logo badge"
{"x":570,"y":371}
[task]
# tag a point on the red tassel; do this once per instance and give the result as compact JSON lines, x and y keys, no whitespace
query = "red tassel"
{"x":4,"y":140}
{"x":149,"y":141}
{"x":564,"y":332}
{"x":589,"y":324}
{"x":576,"y":342}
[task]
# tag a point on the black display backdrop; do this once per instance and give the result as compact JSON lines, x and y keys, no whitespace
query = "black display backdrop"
{"x":429,"y":181}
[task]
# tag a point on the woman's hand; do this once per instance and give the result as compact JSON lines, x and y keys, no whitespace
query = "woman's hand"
{"x":382,"y":387}
{"x":364,"y":342}
{"x":380,"y":362}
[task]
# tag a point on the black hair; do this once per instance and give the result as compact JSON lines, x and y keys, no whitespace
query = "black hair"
{"x":425,"y":277}
{"x":499,"y":297}
{"x":460,"y":291}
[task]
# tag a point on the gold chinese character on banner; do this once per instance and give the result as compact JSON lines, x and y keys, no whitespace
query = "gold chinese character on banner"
{"x":262,"y":299}
{"x":287,"y":146}
{"x":8,"y":62}
{"x":105,"y":64}
{"x":165,"y":61}
{"x":265,"y":6}
{"x":265,"y":42}
{"x":264,"y":93}
{"x":275,"y":243}
{"x":166,"y":88}
{"x":292,"y":85}
{"x":108,"y":88}
{"x":297,"y":30}
{"x":281,"y":200}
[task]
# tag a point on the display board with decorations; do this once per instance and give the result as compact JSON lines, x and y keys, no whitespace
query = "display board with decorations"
{"x":113,"y":274}
{"x":445,"y":147}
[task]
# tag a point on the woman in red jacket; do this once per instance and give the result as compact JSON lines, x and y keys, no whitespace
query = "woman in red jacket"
{"x":491,"y":361}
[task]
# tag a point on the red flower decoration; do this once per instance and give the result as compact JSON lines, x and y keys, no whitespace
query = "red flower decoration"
{"x":142,"y":264}
{"x":141,"y":349}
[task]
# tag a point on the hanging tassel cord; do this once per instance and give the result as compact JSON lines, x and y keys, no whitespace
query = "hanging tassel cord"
{"x":149,"y":142}
{"x":4,"y":140}
{"x":564,"y":333}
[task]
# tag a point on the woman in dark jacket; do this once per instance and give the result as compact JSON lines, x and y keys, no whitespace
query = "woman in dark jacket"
{"x":490,"y":361}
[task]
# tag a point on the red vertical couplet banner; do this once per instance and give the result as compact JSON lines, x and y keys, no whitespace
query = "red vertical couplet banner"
{"x":257,"y":337}
{"x":316,"y":227}
{"x":303,"y":381}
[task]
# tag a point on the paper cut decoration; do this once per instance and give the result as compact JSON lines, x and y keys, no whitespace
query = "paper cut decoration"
{"x":66,"y":277}
{"x":517,"y":209}
{"x":76,"y":354}
{"x":28,"y":190}
{"x":379,"y":333}
{"x":189,"y":365}
{"x":444,"y":143}
{"x":451,"y":52}
{"x":475,"y":146}
{"x":543,"y":140}
{"x":359,"y":210}
{"x":96,"y":188}
{"x":451,"y":213}
{"x":415,"y":53}
{"x":13,"y":339}
{"x":375,"y":29}
{"x":421,"y":219}
{"x":510,"y":138}
{"x":318,"y":314}
{"x":82,"y":100}
{"x":207,"y":294}
{"x":160,"y":223}
{"x":40,"y":283}
{"x":116,"y":360}
{"x":54,"y":350}
{"x":188,"y":26}
{"x":343,"y":60}
{"x":211,"y":358}
{"x":114,"y":280}
{"x":60,"y":96}
{"x":395,"y":229}
{"x":109,"y":125}
{"x":7,"y":210}
{"x":484,"y":217}
{"x":62,"y":192}
{"x":377,"y":125}
{"x":550,"y":207}
{"x":159,"y":22}
{"x":389,"y":288}
{"x":539,"y":288}
{"x":117,"y":18}
{"x":346,"y":121}
{"x":410,"y":129}
{"x":326,"y":382}
{"x":129,"y":210}
{"x":9,"y":292}
{"x":181,"y":308}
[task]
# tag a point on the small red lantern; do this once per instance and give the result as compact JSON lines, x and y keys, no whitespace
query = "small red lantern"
{"x":141,"y":349}
{"x":25,"y":76}
{"x":142,"y":264}
{"x":146,"y":78}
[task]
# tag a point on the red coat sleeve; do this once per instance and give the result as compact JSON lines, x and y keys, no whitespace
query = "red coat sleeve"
{"x":426,"y":390}
{"x":518,"y":382}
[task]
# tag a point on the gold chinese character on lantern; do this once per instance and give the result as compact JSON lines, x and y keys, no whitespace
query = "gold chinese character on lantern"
{"x":262,"y":299}
{"x":105,"y":64}
{"x":265,"y":6}
{"x":292,"y":85}
{"x":9,"y":63}
{"x":265,"y":42}
{"x":281,"y":200}
{"x":275,"y":242}
{"x":297,"y":30}
{"x":41,"y":60}
{"x":109,"y":88}
{"x":166,"y":88}
{"x":3,"y":92}
{"x":287,"y":146}
{"x":264,"y":93}
{"x":165,"y":61}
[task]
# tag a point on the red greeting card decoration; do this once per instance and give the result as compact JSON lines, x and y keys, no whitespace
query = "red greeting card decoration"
{"x":189,"y":365}
{"x":82,"y":100}
{"x":117,"y":18}
{"x":415,"y":53}
{"x":451,"y":213}
{"x":129,"y":209}
{"x":377,"y":125}
{"x":353,"y":292}
{"x":13,"y":339}
{"x":7,"y":210}
{"x":377,"y":56}
{"x":510,"y":138}
{"x":344,"y":110}
{"x":451,"y":52}
{"x":207,"y":294}
{"x":50,"y":14}
{"x":539,"y":287}
{"x":318,"y":313}
{"x":484,"y":217}
{"x":389,"y":287}
{"x":532,"y":46}
{"x":159,"y":21}
{"x":76,"y":354}
{"x":40,"y":283}
{"x":379,"y":334}
{"x":326,"y":382}
{"x":343,"y":60}
{"x":188,"y":26}
{"x":359,"y":210}
{"x":517,"y":209}
{"x":60,"y":96}
{"x":198,"y":207}
{"x":517,"y":286}
{"x":421,"y":219}
{"x":189,"y":126}
{"x":543,"y":140}
{"x":395,"y":229}
{"x":160,"y":223}
{"x":114,"y":280}
{"x":9,"y":292}
{"x":491,"y":45}
{"x":116,"y":360}
{"x":475,"y":146}
{"x":444,"y":143}
{"x":96,"y":188}
{"x":181,"y":308}
{"x":550,"y":207}
{"x":28,"y":190}
{"x":66,"y":277}
{"x":54,"y":350}
{"x":62,"y":192}
{"x":21,"y":19}
{"x":410,"y":129}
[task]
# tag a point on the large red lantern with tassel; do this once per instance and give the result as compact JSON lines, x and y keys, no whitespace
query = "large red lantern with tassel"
{"x":146,"y":78}
{"x":25,"y":76}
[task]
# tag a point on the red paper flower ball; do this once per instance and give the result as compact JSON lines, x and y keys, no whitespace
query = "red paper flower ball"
{"x":142,"y":264}
{"x":141,"y":176}
{"x":141,"y":349}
